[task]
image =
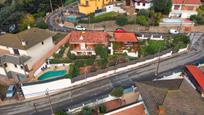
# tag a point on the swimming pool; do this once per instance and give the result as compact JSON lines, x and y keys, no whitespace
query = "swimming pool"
{"x":52,"y":74}
{"x":128,"y":90}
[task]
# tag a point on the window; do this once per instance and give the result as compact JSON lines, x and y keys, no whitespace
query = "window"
{"x":22,"y":67}
{"x":15,"y":66}
{"x":176,"y":7}
{"x":5,"y":65}
{"x":143,"y":4}
{"x":42,"y":43}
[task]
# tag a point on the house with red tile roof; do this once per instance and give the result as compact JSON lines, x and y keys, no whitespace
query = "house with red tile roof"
{"x":133,"y":109}
{"x":125,"y":42}
{"x":184,"y":8}
{"x":84,"y":42}
{"x":197,"y":77}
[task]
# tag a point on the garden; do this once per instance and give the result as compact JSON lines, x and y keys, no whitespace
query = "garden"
{"x":87,"y":64}
{"x":173,"y":42}
{"x":150,"y":17}
{"x":199,"y":19}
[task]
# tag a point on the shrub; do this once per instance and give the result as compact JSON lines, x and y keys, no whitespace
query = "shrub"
{"x":61,"y":52}
{"x":71,"y":56}
{"x":101,"y":51}
{"x":163,"y":6}
{"x":26,"y":20}
{"x":60,"y":113}
{"x":143,"y":12}
{"x":60,"y":60}
{"x":89,"y":61}
{"x":102,"y":108}
{"x":79,"y":63}
{"x":117,"y":92}
{"x":41,"y":24}
{"x":198,"y":19}
{"x":121,"y":20}
{"x":86,"y":111}
{"x":142,"y":20}
{"x":73,"y":71}
{"x":102,"y":63}
{"x":116,"y":45}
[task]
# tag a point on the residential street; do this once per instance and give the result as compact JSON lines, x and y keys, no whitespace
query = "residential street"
{"x":73,"y":97}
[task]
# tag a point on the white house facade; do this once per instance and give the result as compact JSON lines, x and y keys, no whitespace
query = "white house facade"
{"x":142,"y":4}
{"x":184,"y":9}
{"x":19,"y":52}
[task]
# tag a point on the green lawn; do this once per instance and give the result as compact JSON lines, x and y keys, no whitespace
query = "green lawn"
{"x":176,"y":42}
{"x":151,"y":47}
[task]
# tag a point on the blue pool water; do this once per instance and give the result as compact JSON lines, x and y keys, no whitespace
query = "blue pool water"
{"x":52,"y":74}
{"x":128,"y":90}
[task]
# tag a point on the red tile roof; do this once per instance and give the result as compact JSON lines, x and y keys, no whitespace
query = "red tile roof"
{"x":197,"y":74}
{"x":130,"y":110}
{"x":186,"y":1}
{"x":113,"y":104}
{"x":125,"y":37}
{"x":90,"y":37}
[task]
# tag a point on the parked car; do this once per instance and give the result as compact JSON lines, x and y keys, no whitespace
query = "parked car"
{"x":120,"y":30}
{"x":173,"y":31}
{"x":79,"y":27}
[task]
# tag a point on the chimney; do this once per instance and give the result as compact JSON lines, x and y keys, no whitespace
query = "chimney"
{"x":81,"y":38}
{"x":23,"y":43}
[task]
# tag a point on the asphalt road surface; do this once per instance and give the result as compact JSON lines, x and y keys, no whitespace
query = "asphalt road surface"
{"x":92,"y":91}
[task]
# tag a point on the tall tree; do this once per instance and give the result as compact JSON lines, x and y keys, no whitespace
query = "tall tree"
{"x":163,"y":6}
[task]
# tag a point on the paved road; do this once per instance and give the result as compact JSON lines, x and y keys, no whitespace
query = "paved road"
{"x":92,"y":91}
{"x":52,"y":25}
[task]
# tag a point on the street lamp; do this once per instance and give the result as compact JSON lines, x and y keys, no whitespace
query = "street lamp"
{"x":47,"y":94}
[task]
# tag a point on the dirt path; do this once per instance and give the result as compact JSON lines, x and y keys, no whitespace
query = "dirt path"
{"x":65,"y":52}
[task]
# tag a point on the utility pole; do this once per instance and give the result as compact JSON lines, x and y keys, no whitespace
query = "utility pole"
{"x":47,"y":93}
{"x":51,"y":5}
{"x":157,"y":69}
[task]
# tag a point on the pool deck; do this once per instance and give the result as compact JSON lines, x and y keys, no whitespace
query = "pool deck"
{"x":53,"y":68}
